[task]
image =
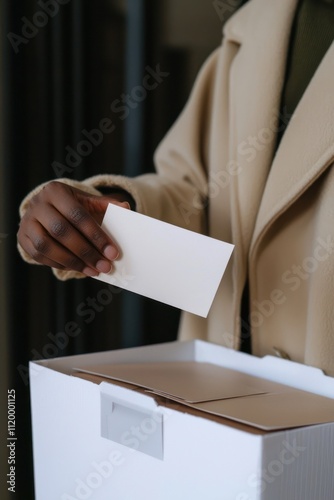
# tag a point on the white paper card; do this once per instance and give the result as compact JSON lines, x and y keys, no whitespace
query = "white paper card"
{"x":166,"y":263}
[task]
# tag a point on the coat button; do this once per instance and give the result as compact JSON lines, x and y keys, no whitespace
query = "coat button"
{"x":281,"y":354}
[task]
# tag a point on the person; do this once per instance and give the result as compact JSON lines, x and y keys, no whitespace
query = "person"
{"x":248,"y":161}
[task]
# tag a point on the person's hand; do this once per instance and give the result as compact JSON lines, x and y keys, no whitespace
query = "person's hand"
{"x":61,"y":229}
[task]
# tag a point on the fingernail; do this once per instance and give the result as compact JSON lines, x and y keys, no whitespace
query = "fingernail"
{"x":103,"y":266}
{"x":111,"y":252}
{"x":88,"y":271}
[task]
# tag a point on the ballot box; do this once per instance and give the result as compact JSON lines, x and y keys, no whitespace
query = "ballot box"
{"x":181,"y":420}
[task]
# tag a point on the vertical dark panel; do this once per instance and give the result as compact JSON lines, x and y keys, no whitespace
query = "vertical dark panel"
{"x":135,"y":62}
{"x":134,"y":142}
{"x":76,"y":65}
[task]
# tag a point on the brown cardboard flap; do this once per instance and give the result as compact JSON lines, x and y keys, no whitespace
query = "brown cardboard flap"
{"x":191,"y":382}
{"x":272,"y":412}
{"x":223,"y":392}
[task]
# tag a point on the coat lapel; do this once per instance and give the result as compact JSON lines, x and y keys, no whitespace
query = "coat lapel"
{"x":305,"y":152}
{"x":256,"y":81}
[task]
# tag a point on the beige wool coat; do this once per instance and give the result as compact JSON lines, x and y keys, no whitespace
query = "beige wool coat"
{"x":218,"y":173}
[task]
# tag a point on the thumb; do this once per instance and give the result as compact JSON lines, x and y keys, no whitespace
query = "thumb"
{"x":110,"y":200}
{"x":123,"y":204}
{"x":97,"y":205}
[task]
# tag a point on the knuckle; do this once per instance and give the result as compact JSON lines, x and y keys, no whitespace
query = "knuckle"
{"x":98,"y":238}
{"x":47,"y":190}
{"x":73,"y":263}
{"x":41,"y":245}
{"x":35,"y":200}
{"x":36,"y":255}
{"x":59,"y":229}
{"x":87,"y":252}
{"x":77,"y":215}
{"x":53,"y":185}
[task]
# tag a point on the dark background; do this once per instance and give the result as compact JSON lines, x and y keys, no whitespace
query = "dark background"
{"x":61,"y":81}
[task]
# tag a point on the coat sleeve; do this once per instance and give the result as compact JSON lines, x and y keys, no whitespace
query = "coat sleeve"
{"x":177,"y":191}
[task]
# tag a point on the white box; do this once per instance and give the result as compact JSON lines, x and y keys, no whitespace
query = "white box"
{"x":172,"y":453}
